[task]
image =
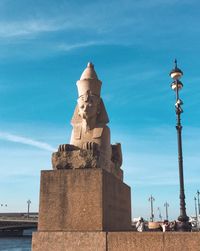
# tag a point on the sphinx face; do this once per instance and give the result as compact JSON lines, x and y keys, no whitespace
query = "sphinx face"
{"x":88,"y":106}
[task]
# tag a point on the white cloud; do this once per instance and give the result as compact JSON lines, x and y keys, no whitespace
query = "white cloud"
{"x":26,"y":141}
{"x":68,"y":19}
{"x":69,"y":47}
{"x":24,"y":28}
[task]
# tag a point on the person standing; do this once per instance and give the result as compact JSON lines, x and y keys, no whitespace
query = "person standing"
{"x":140,"y":226}
{"x":165,"y":226}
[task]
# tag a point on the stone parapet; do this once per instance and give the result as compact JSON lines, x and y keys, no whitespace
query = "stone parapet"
{"x":115,"y":241}
{"x":148,"y":241}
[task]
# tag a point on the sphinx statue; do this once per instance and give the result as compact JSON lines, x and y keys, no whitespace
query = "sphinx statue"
{"x":90,"y":138}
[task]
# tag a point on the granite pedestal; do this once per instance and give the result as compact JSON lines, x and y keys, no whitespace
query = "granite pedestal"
{"x":83,"y":200}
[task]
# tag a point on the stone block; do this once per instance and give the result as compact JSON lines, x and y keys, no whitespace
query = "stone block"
{"x":153,"y":241}
{"x":184,"y":241}
{"x":69,"y":241}
{"x":133,"y":241}
{"x":83,"y":200}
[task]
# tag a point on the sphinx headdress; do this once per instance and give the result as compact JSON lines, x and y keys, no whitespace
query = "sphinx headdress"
{"x":89,"y":83}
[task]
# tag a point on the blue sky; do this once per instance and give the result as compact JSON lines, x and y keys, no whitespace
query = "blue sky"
{"x":45,"y":46}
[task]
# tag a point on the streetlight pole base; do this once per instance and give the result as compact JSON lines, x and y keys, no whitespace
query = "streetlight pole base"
{"x":183,"y":226}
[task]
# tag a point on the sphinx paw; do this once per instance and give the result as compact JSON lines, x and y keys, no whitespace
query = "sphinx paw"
{"x":90,"y":146}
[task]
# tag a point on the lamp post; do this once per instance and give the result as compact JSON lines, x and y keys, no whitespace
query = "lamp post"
{"x":183,"y":219}
{"x":166,"y":205}
{"x":198,"y":193}
{"x":29,"y":203}
{"x":160,"y":215}
{"x":195,"y":205}
{"x":151,"y":199}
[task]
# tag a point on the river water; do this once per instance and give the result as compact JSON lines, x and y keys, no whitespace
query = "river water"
{"x":15,"y":244}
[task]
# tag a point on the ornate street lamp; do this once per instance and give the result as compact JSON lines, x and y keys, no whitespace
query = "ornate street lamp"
{"x":195,"y":205}
{"x":29,"y":203}
{"x":198,"y":193}
{"x":183,"y":219}
{"x":160,"y":215}
{"x":166,"y":205}
{"x":151,"y":199}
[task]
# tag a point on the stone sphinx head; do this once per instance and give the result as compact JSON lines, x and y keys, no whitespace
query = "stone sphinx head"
{"x":90,"y":108}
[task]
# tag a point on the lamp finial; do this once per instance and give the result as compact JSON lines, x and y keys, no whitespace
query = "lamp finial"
{"x":175,"y":62}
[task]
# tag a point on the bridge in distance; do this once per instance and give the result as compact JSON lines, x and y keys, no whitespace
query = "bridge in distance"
{"x":15,"y":224}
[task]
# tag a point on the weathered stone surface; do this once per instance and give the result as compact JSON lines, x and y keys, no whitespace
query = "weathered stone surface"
{"x":73,"y":159}
{"x":115,"y":241}
{"x":147,"y":241}
{"x":133,"y":241}
{"x":69,"y":241}
{"x":83,"y":200}
{"x":178,"y":241}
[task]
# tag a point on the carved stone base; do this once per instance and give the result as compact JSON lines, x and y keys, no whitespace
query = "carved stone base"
{"x":72,"y":157}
